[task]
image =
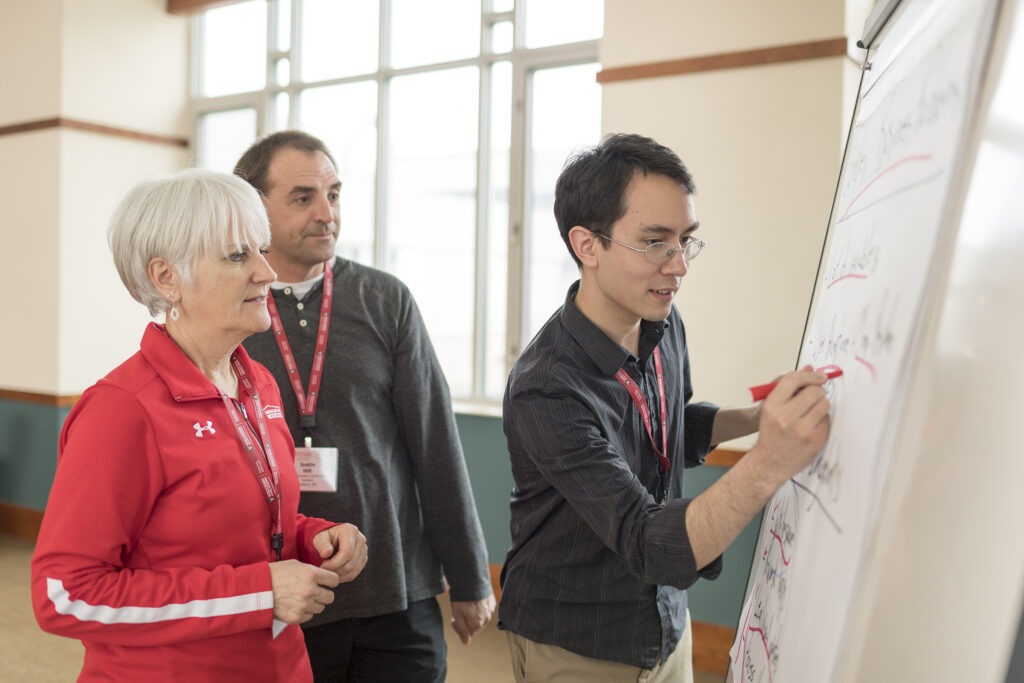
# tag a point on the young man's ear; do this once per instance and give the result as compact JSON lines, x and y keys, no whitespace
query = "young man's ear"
{"x":584,"y":244}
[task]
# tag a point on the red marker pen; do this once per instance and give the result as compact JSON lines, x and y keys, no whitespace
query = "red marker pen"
{"x":761,"y":391}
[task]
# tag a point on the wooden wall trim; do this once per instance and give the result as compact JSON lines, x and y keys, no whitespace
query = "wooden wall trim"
{"x":185,"y":7}
{"x":495,"y":570}
{"x":51,"y":400}
{"x":20,"y":522}
{"x":75,"y":124}
{"x":711,"y":644}
{"x":724,"y":457}
{"x":832,"y":47}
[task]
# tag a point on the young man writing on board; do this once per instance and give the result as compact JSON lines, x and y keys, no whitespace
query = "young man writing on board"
{"x":600,"y":426}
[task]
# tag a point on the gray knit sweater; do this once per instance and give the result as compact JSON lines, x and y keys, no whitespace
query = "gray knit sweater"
{"x":385,"y":404}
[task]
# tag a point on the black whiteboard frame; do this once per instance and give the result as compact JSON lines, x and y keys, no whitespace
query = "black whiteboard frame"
{"x":876,"y":21}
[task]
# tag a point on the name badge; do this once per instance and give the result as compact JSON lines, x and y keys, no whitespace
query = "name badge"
{"x":317,"y":468}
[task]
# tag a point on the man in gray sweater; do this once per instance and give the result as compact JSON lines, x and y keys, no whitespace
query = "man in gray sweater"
{"x":371,"y":414}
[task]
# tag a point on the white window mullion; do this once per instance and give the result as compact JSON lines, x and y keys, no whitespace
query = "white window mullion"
{"x":517,"y":199}
{"x":295,"y":63}
{"x":266,"y":111}
{"x":483,"y":209}
{"x":196,"y":63}
{"x":380,"y":236}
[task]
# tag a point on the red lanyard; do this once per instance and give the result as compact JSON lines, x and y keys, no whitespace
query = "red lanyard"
{"x":307,"y":403}
{"x":645,"y":412}
{"x":269,"y":479}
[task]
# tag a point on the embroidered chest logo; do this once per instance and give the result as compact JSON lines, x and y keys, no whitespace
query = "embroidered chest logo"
{"x":273,"y":412}
{"x":208,"y":427}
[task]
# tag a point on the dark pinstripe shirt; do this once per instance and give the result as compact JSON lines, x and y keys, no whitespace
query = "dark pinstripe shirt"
{"x":597,"y":566}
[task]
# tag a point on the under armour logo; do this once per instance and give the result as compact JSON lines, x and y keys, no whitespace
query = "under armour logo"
{"x":207,"y":428}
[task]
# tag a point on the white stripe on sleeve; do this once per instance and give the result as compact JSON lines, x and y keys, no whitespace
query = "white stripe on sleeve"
{"x":104,"y":614}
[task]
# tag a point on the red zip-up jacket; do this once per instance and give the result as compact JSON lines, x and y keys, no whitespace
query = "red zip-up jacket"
{"x":155,"y":545}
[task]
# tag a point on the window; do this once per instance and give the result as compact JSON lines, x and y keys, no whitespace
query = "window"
{"x":449,"y":120}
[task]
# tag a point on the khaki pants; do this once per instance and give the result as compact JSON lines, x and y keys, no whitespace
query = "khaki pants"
{"x":535,"y":662}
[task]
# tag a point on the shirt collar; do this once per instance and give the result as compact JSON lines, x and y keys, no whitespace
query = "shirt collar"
{"x":302,"y":288}
{"x":181,"y":376}
{"x":607,"y":354}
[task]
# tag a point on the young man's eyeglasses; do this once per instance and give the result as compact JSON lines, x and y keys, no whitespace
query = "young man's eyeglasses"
{"x":661,"y":253}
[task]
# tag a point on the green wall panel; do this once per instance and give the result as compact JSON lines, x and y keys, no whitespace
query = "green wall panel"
{"x":28,"y":458}
{"x":28,"y":451}
{"x":720,"y":601}
{"x":483,"y":442}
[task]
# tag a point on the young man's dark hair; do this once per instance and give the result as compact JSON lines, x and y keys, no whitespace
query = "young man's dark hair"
{"x":591,"y":190}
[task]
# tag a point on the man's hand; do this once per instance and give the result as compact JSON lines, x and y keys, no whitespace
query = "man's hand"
{"x":301,"y":590}
{"x":343,"y":549}
{"x":794,"y":427}
{"x":469,"y":617}
{"x":794,"y":423}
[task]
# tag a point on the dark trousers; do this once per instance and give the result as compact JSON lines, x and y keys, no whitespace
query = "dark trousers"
{"x":404,"y":647}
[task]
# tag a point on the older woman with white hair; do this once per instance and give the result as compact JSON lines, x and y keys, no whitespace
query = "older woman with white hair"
{"x":171,"y":545}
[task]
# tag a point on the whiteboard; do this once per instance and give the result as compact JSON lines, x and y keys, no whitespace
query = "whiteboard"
{"x":888,"y":230}
{"x":941,"y":599}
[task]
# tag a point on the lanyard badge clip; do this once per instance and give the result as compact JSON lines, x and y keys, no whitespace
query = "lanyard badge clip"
{"x":277,"y":543}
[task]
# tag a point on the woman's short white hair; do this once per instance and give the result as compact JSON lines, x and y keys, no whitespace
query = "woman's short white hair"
{"x":183,"y":217}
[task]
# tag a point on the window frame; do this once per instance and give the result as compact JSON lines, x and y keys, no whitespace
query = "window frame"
{"x":524,"y":62}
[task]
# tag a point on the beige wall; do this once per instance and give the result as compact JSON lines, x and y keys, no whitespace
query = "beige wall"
{"x":125,"y":63}
{"x":764,"y":144}
{"x":28,"y":259}
{"x":99,"y":324}
{"x":116,"y":63}
{"x":638,"y":31}
{"x":30,"y":56}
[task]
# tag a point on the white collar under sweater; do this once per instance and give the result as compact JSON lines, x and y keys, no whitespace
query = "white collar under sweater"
{"x":300,"y":289}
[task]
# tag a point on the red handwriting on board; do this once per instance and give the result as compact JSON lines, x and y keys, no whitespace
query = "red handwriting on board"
{"x":915,"y":158}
